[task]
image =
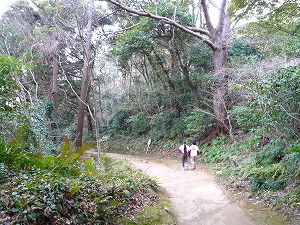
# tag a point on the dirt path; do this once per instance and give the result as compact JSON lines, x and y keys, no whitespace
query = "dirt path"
{"x":196,"y":198}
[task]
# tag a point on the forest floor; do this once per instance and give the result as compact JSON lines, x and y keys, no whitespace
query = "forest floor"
{"x":197,"y":198}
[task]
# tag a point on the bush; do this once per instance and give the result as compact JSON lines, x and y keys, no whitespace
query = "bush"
{"x":267,"y":177}
{"x":138,"y":123}
{"x":11,"y":110}
{"x":216,"y":151}
{"x":268,"y":155}
{"x":60,"y":190}
{"x":273,"y":106}
{"x":160,"y":125}
{"x":197,"y":123}
{"x":240,"y":52}
{"x":118,"y":123}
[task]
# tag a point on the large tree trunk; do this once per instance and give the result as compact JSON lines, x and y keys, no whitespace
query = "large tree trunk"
{"x":220,"y":91}
{"x":85,"y":77}
{"x":220,"y":37}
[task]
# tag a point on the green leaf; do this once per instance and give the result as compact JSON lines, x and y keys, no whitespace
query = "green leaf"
{"x":127,"y":193}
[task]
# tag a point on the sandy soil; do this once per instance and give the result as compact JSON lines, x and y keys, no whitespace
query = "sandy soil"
{"x":196,"y":198}
{"x":194,"y":195}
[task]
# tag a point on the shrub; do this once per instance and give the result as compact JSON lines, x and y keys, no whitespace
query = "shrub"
{"x":138,"y":123}
{"x":118,"y":122}
{"x":268,"y":155}
{"x":11,"y":114}
{"x":197,"y":123}
{"x":160,"y":125}
{"x":273,"y":106}
{"x":53,"y":190}
{"x":240,"y":52}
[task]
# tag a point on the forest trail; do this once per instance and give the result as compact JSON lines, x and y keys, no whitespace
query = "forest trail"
{"x":196,"y":198}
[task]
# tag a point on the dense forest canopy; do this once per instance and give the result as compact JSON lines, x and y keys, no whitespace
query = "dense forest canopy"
{"x":181,"y":70}
{"x":129,"y":71}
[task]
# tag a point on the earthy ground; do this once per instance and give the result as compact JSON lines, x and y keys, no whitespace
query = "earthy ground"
{"x":197,"y":199}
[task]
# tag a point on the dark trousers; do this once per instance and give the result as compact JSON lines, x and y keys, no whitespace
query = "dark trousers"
{"x":184,"y":159}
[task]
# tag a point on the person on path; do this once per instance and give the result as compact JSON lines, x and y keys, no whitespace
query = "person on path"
{"x":194,"y":153}
{"x":183,"y":149}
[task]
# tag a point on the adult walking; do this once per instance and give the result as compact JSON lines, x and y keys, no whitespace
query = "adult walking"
{"x":194,"y":152}
{"x":183,"y":149}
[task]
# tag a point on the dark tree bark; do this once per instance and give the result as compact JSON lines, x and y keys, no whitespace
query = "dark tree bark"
{"x":89,"y":116}
{"x":85,"y":76}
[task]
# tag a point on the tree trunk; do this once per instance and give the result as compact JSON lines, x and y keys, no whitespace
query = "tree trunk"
{"x":54,"y":91}
{"x":90,"y":123}
{"x":220,"y":91}
{"x":85,"y":76}
{"x":220,"y":88}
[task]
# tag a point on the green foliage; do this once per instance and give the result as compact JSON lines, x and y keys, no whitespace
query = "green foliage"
{"x":27,"y":134}
{"x":66,"y":162}
{"x":240,"y":52}
{"x":160,"y":125}
{"x":15,"y":157}
{"x":138,"y":123}
{"x":118,"y":122}
{"x":292,"y":199}
{"x":196,"y":123}
{"x":133,"y":41}
{"x":39,"y":190}
{"x":281,"y":41}
{"x":271,"y":171}
{"x":288,"y":46}
{"x":39,"y":135}
{"x":295,"y":149}
{"x":291,"y":164}
{"x":10,"y":68}
{"x":279,"y":14}
{"x":10,"y":108}
{"x":200,"y":58}
{"x":273,"y":167}
{"x":265,"y":170}
{"x":167,"y":9}
{"x":216,"y":152}
{"x":164,"y":88}
{"x":270,"y":154}
{"x":269,"y":177}
{"x":49,"y":109}
{"x":177,"y":130}
{"x":274,"y":104}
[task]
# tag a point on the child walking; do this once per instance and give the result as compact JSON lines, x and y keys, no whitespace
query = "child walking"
{"x":183,"y":149}
{"x":194,"y":151}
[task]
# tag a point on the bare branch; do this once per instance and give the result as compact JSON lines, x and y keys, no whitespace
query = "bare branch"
{"x":167,"y":21}
{"x":222,"y":11}
{"x":197,"y":29}
{"x":207,"y":18}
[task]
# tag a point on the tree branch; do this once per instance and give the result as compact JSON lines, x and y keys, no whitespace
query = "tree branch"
{"x":222,"y":11}
{"x":207,"y":18}
{"x":191,"y":31}
{"x":202,"y":31}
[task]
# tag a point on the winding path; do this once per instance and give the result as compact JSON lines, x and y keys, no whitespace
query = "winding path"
{"x":195,"y":197}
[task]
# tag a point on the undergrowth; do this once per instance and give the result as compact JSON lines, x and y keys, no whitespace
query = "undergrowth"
{"x":270,"y":171}
{"x":38,"y":189}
